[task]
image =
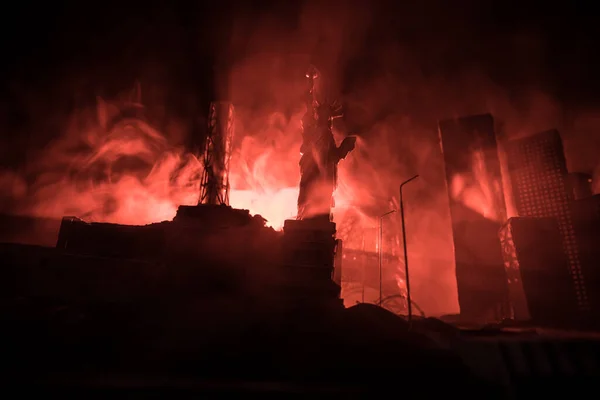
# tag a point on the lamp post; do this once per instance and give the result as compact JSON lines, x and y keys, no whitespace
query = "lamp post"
{"x":364,"y":269}
{"x":381,"y":253}
{"x":408,"y":299}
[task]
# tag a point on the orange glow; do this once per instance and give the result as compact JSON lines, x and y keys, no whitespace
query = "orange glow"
{"x":132,"y":174}
{"x":129,"y":175}
{"x":478,"y":191}
{"x":264,"y":172}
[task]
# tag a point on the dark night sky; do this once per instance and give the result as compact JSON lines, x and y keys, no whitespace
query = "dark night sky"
{"x":52,"y":49}
{"x":38,"y":39}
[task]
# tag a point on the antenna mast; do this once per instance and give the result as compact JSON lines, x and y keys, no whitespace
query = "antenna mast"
{"x":214,"y":188}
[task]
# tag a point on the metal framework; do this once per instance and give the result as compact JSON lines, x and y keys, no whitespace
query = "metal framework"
{"x":214,"y":189}
{"x":519,"y":308}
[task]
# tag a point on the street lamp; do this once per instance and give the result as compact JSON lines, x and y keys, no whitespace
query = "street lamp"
{"x":408,"y":299}
{"x":381,"y":253}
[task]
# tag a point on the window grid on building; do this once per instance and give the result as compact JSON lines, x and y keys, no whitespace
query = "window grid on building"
{"x":538,"y":172}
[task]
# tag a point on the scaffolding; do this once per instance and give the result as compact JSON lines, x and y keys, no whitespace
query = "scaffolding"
{"x":214,"y":189}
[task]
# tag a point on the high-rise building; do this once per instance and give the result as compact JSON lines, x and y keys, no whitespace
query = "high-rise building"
{"x":477,"y":209}
{"x":537,"y":269}
{"x":586,"y":216}
{"x":540,"y":187}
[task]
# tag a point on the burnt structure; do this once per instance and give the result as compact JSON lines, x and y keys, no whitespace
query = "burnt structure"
{"x":586,"y":218}
{"x":310,"y":256}
{"x":214,"y":269}
{"x":471,"y":155}
{"x":310,"y":248}
{"x":208,"y":248}
{"x":190,"y":305}
{"x":297,"y":269}
{"x":540,"y":186}
{"x":320,"y":155}
{"x":193,"y":228}
{"x":218,"y":144}
{"x":537,"y":272}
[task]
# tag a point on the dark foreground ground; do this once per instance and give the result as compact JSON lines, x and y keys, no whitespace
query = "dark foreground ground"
{"x":93,"y":327}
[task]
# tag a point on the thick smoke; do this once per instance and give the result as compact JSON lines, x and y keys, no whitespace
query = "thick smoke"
{"x":128,"y":172}
{"x":396,"y":72}
{"x":394,"y":94}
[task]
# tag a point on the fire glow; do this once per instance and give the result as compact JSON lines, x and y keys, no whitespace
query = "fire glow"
{"x":130,"y":173}
{"x":479,"y":192}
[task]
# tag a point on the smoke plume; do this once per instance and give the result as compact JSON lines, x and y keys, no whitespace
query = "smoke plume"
{"x":397,"y":73}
